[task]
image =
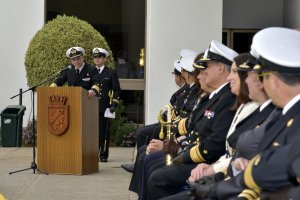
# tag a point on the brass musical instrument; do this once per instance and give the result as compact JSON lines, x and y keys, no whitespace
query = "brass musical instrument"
{"x":168,"y":124}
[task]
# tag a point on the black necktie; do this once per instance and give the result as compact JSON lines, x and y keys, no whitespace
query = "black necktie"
{"x":77,"y":71}
{"x":99,"y":71}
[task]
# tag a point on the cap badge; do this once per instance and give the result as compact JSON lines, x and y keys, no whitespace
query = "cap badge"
{"x":256,"y":67}
{"x":244,"y":66}
{"x":73,"y":51}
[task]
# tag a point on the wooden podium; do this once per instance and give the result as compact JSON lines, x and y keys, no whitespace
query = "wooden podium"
{"x":67,"y":131}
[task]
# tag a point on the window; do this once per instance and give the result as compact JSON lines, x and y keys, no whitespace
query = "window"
{"x":238,"y":39}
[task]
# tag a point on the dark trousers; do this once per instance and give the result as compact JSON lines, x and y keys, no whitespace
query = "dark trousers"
{"x":104,"y":136}
{"x":168,"y":180}
{"x":151,"y":163}
{"x":146,"y":133}
{"x":143,"y":167}
{"x":134,"y":183}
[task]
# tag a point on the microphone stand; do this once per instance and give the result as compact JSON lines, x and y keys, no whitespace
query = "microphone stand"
{"x":32,"y":89}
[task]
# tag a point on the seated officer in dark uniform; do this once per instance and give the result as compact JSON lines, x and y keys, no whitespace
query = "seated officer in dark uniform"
{"x":244,"y":140}
{"x":153,"y":152}
{"x":145,"y":133}
{"x":181,"y":101}
{"x":281,"y":70}
{"x":79,"y":73}
{"x":211,"y":125}
{"x":277,"y":51}
{"x":109,"y":96}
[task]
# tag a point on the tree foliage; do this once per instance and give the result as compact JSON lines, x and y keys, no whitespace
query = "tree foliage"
{"x":46,"y":54}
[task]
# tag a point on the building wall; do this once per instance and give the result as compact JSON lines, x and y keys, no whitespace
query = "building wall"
{"x":254,"y":14}
{"x":19,"y":21}
{"x":291,"y":12}
{"x":172,"y":25}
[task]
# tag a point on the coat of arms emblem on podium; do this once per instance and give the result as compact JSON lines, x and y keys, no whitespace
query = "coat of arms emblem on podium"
{"x":58,"y":114}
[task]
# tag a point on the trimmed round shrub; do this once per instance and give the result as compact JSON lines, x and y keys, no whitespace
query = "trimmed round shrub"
{"x":46,"y":54}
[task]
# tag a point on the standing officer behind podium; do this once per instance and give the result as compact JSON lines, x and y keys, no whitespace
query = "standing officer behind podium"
{"x":79,"y":73}
{"x":108,"y":98}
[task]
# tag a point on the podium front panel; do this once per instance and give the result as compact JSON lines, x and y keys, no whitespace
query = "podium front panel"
{"x":75,"y":150}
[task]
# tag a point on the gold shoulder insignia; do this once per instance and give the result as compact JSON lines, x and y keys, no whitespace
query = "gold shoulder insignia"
{"x":205,"y":151}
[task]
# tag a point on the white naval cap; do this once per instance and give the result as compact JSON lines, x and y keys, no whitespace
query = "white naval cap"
{"x":177,"y":65}
{"x":183,"y":53}
{"x":74,"y":52}
{"x":253,"y":52}
{"x":100,"y":52}
{"x":187,"y":63}
{"x":218,"y":52}
{"x":277,"y":49}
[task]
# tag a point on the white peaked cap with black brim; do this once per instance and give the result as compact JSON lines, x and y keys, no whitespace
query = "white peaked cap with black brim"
{"x":218,"y":52}
{"x":100,"y":52}
{"x":177,"y":65}
{"x":74,"y":52}
{"x":187,"y":63}
{"x":278,"y":49}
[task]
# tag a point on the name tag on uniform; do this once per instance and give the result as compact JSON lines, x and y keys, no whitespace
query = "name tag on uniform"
{"x":209,"y":114}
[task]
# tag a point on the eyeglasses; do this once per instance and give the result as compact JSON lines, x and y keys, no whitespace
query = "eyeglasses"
{"x":264,"y":74}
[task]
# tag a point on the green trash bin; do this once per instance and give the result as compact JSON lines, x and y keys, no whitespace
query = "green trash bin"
{"x":11,"y":125}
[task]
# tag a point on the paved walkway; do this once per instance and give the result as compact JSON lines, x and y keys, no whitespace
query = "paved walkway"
{"x":111,"y":183}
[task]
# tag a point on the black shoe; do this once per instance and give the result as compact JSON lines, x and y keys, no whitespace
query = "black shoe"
{"x":129,"y":167}
{"x":102,"y":159}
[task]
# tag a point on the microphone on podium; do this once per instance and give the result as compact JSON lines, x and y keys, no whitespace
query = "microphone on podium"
{"x":67,"y":68}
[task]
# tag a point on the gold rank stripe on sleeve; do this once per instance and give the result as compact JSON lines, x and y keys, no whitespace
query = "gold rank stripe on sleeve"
{"x":196,"y":155}
{"x":248,"y":178}
{"x":298,"y":180}
{"x":181,"y":127}
{"x":96,"y":87}
{"x":116,"y":100}
{"x":249,"y":194}
{"x":53,"y":85}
